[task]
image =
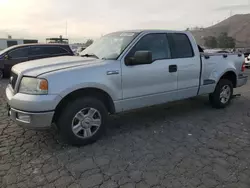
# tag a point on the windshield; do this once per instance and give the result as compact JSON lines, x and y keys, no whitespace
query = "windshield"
{"x":110,"y":46}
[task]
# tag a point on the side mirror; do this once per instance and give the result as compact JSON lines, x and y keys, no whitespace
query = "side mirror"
{"x":140,"y":58}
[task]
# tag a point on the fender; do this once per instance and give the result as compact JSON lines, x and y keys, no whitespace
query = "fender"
{"x":89,"y":85}
{"x":214,"y":77}
{"x":219,"y":71}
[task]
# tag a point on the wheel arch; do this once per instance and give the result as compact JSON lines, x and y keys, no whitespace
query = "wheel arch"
{"x":230,"y":75}
{"x":85,"y":92}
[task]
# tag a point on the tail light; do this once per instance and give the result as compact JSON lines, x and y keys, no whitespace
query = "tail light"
{"x":243,"y":67}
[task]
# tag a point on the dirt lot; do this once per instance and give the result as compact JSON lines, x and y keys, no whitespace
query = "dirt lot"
{"x":183,"y":144}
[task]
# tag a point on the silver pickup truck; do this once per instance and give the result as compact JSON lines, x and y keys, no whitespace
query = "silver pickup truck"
{"x":121,"y":71}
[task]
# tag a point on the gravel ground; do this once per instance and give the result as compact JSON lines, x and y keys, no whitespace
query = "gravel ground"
{"x":182,"y":144}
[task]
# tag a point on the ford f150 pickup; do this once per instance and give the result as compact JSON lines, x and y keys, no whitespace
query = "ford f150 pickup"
{"x":119,"y":72}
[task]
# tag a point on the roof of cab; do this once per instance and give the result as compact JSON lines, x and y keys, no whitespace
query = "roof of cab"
{"x":151,"y":30}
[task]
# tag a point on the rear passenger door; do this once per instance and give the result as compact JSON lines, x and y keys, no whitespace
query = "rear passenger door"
{"x":188,"y":64}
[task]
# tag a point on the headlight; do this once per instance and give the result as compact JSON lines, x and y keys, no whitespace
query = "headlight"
{"x":35,"y":86}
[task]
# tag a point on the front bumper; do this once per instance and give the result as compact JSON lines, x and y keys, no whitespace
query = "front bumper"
{"x":31,"y":111}
{"x":242,"y":80}
{"x":30,"y":120}
{"x":31,"y":103}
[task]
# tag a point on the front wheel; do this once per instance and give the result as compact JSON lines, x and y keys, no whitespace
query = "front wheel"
{"x":83,"y":121}
{"x":222,"y":95}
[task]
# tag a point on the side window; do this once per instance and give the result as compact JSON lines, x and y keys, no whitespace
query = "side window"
{"x":156,"y":43}
{"x":18,"y":53}
{"x":37,"y":50}
{"x":68,"y":50}
{"x":180,"y":45}
{"x":53,"y":50}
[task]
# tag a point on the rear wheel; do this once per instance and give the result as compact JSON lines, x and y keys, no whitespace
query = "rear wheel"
{"x":83,"y":121}
{"x":222,"y":95}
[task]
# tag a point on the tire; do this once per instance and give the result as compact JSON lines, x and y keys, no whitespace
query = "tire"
{"x":215,"y":98}
{"x":1,"y":74}
{"x":75,"y":122}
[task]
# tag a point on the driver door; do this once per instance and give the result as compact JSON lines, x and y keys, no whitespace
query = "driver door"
{"x":149,"y":84}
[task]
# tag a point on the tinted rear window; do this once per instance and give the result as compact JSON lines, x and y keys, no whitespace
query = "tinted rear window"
{"x":37,"y":50}
{"x":54,"y":50}
{"x":180,"y":45}
{"x":68,"y":49}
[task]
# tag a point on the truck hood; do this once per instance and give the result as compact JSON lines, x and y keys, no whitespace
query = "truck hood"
{"x":37,"y":67}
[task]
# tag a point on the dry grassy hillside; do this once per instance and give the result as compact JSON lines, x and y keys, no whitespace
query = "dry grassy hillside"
{"x":237,"y":26}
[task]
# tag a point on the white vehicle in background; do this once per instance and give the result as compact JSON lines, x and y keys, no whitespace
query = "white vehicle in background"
{"x":79,"y":50}
{"x":247,"y":62}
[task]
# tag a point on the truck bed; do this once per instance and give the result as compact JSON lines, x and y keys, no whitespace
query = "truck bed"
{"x":214,"y":65}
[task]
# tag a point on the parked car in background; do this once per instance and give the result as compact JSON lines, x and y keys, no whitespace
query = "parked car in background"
{"x":79,"y":50}
{"x":247,"y":62}
{"x":119,"y":72}
{"x":73,"y":48}
{"x":247,"y":52}
{"x":21,"y":53}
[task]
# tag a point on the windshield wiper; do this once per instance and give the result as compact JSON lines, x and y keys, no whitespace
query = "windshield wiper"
{"x":90,"y":55}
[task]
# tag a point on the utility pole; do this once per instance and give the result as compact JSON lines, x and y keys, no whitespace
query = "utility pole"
{"x":66,"y":29}
{"x":231,"y":13}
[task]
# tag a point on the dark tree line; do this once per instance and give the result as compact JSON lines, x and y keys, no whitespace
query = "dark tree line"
{"x":222,"y":41}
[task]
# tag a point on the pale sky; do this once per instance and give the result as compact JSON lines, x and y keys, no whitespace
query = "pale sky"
{"x":91,"y":18}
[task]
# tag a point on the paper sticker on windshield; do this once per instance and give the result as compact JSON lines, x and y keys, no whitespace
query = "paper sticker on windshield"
{"x":127,"y":34}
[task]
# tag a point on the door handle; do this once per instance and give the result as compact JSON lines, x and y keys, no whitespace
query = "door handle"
{"x":112,"y":72}
{"x":172,"y":68}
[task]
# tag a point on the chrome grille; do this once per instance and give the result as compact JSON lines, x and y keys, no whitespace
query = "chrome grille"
{"x":13,"y":79}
